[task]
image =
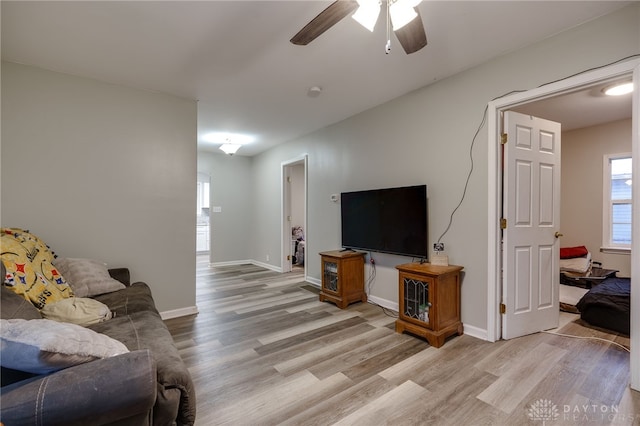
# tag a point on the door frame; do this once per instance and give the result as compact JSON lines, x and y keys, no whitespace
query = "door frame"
{"x":494,"y":130}
{"x":286,"y":210}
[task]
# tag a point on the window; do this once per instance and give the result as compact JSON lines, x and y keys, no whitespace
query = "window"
{"x":617,"y":202}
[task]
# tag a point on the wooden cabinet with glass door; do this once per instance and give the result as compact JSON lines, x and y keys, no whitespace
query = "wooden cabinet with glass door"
{"x":429,"y":301}
{"x":342,"y":277}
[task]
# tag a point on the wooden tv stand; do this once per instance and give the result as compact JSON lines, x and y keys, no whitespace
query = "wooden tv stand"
{"x":343,"y":277}
{"x":429,"y":301}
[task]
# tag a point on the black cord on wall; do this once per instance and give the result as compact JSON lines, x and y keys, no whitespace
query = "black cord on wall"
{"x":484,"y":119}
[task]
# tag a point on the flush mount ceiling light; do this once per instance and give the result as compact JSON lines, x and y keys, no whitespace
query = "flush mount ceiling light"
{"x":231,"y":142}
{"x":230,"y":148}
{"x":619,"y":89}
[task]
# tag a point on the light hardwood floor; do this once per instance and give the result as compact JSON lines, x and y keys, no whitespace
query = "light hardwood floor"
{"x":264,"y":351}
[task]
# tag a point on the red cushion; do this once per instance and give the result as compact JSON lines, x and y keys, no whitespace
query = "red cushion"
{"x":571,"y":252}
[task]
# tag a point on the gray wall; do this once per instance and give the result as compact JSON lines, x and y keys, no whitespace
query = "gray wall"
{"x":582,"y":204}
{"x":425,"y":137}
{"x":104,"y":172}
{"x":231,"y":190}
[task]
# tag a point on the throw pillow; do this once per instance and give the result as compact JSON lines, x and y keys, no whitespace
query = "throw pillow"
{"x":87,"y":277}
{"x":77,"y":310}
{"x":29,"y":271}
{"x":42,"y":346}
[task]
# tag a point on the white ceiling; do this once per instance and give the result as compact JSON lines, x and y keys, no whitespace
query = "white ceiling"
{"x":582,"y":108}
{"x":235,"y":58}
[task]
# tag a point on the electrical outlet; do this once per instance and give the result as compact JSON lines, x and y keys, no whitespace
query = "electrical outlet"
{"x":438,"y":247}
{"x":267,"y":258}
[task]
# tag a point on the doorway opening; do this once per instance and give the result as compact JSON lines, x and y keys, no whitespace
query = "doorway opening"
{"x":294,"y":214}
{"x":203,"y":217}
{"x":495,"y":110}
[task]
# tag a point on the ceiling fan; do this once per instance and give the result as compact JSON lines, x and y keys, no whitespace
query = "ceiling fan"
{"x":402,"y":14}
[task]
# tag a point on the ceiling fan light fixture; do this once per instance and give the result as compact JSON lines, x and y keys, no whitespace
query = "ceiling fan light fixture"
{"x":367,"y":13}
{"x":619,"y":89}
{"x":402,"y":12}
{"x":230,"y":148}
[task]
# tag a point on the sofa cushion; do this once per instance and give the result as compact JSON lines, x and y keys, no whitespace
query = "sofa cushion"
{"x":16,"y":306}
{"x":119,"y":390}
{"x":29,"y":271}
{"x":77,"y":310}
{"x":145,"y":329}
{"x":135,"y":298}
{"x":87,"y":277}
{"x":42,"y":346}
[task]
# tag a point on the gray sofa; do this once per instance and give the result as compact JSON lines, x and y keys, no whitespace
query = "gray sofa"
{"x":148,"y":385}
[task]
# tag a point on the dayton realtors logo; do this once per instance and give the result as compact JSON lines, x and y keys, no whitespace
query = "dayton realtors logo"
{"x":544,"y":410}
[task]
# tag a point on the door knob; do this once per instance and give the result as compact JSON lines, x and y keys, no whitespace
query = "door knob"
{"x":558,"y":234}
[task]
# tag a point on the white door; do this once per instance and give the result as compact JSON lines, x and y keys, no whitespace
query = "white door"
{"x":531,"y":207}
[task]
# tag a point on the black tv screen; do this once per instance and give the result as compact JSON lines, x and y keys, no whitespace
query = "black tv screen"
{"x":390,"y":220}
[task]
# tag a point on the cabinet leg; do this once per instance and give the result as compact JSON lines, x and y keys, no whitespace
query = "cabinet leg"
{"x":435,"y":341}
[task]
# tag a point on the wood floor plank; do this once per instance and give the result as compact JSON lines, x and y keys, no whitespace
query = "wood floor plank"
{"x":260,"y":404}
{"x":308,"y":326}
{"x":513,"y":386}
{"x":263,"y":350}
{"x":257,"y":305}
{"x":611,"y":365}
{"x":341,"y":404}
{"x":405,"y":369}
{"x":300,"y":400}
{"x":393,"y":354}
{"x":327,"y":352}
{"x":350,"y":358}
{"x":394,"y":406}
{"x":329,"y":334}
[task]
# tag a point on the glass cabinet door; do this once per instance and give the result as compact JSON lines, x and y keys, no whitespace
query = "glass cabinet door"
{"x":330,"y":279}
{"x":416,"y":299}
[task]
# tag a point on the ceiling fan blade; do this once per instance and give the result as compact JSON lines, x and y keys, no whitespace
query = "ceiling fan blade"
{"x":412,"y":36}
{"x":325,"y":20}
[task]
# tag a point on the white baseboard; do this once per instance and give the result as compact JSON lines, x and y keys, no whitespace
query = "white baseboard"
{"x":388,"y":304}
{"x":180,"y":312}
{"x":267,"y":266}
{"x":314,"y":281}
{"x":478,"y":333}
{"x":246,"y":262}
{"x":230,"y":263}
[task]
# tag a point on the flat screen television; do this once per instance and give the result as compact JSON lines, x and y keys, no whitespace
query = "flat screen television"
{"x":390,"y":220}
